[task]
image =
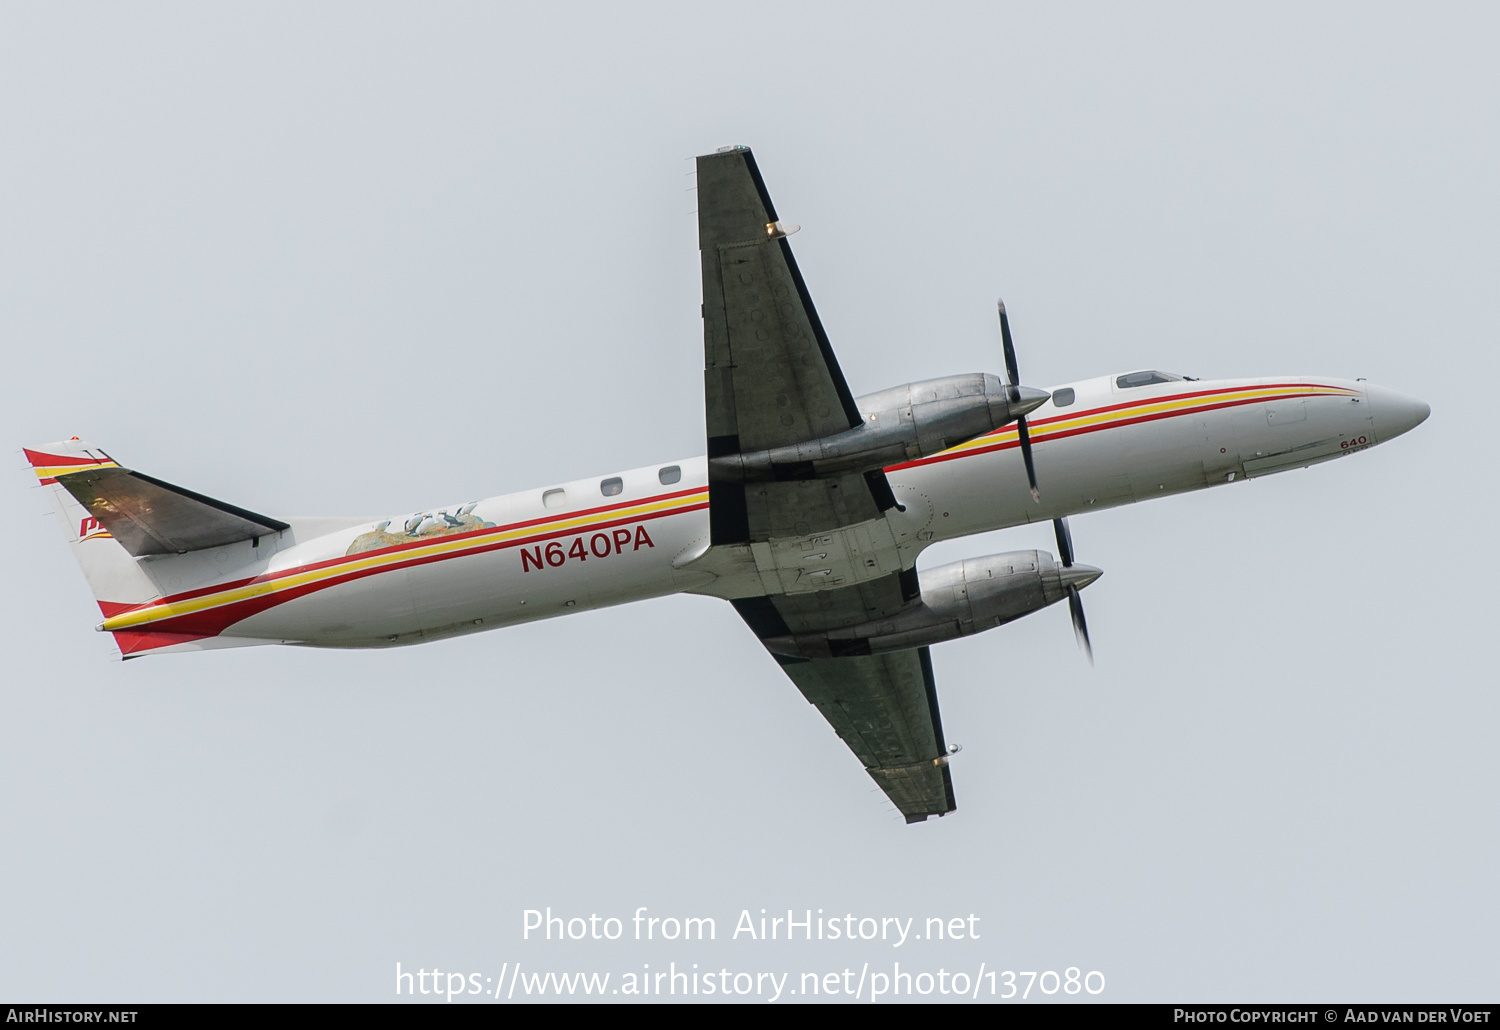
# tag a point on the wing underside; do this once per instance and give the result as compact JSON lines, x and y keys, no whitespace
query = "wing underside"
{"x":771,"y":380}
{"x":770,"y":375}
{"x":883,"y":706}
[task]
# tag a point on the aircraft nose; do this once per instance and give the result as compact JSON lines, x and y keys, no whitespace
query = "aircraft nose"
{"x":1394,"y":413}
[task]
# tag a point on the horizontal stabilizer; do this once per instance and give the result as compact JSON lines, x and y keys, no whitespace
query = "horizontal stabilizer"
{"x":147,"y":516}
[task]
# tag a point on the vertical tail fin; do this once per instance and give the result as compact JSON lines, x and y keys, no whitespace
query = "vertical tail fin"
{"x":117,"y":581}
{"x":135,"y":536}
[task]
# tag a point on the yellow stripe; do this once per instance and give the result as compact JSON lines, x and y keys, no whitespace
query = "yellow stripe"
{"x":159,"y":612}
{"x":53,"y":471}
{"x":1136,"y":411}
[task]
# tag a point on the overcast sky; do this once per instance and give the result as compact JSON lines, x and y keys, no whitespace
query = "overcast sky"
{"x":359,"y":259}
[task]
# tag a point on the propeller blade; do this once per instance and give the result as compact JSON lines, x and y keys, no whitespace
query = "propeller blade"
{"x":1014,"y":376}
{"x":1064,"y":541}
{"x":1010,"y":349}
{"x":1075,"y":603}
{"x":1024,"y":435}
{"x":1080,"y":627}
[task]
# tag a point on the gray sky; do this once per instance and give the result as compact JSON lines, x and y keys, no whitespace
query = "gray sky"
{"x":350,"y":259}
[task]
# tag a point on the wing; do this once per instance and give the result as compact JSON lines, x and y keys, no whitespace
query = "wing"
{"x":770,"y":376}
{"x":771,"y":380}
{"x":883,"y":706}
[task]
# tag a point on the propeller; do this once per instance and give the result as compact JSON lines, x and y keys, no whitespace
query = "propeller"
{"x":1014,"y":381}
{"x":1075,"y":602}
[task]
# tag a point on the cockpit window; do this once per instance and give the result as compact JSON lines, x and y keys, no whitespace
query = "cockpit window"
{"x":1062,"y":398}
{"x":1146,"y":379}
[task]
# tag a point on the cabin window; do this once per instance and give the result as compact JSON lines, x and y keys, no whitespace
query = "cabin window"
{"x":669,"y":475}
{"x":1146,"y":378}
{"x":554,"y":498}
{"x":1062,"y":398}
{"x":612,"y":486}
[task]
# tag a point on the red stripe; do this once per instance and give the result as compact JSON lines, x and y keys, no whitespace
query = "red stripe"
{"x":344,"y":559}
{"x":235,"y":584}
{"x":133,"y":642}
{"x":1178,"y":397}
{"x":199,"y":625}
{"x":43,"y":458}
{"x":1115,"y":424}
{"x":213,"y":621}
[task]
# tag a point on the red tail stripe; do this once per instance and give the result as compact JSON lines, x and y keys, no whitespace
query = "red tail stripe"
{"x":133,"y":642}
{"x":44,"y":459}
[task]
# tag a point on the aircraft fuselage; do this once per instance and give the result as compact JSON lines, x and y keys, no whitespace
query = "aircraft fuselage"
{"x":643,"y":533}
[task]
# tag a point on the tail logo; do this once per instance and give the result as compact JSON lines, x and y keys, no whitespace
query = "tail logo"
{"x":90,"y":528}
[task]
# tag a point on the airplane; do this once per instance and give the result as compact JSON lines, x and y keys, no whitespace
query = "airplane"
{"x":808,"y":511}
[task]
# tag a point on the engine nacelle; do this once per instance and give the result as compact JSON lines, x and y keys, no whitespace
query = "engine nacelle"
{"x":902,"y":423}
{"x":958,"y":600}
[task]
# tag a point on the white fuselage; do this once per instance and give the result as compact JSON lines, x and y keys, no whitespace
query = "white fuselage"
{"x":644,"y":532}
